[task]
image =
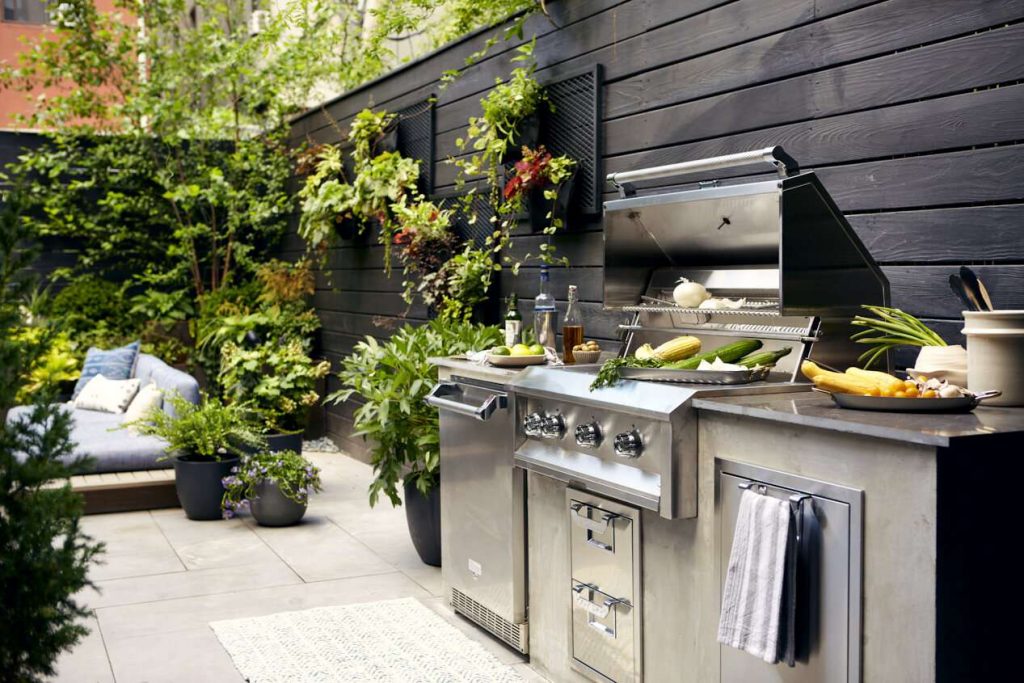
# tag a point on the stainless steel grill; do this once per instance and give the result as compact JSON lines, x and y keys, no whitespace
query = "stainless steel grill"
{"x":631,"y":450}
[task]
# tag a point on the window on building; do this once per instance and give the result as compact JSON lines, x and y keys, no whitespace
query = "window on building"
{"x":26,"y":11}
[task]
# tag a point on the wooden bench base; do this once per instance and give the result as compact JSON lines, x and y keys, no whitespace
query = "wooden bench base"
{"x":126,"y":491}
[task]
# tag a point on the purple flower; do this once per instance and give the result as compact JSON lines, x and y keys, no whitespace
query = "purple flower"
{"x":228,"y":513}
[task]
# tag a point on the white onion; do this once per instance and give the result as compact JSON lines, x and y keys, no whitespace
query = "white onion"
{"x":689,"y":294}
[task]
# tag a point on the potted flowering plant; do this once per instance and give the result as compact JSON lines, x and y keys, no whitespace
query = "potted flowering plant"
{"x":274,"y":486}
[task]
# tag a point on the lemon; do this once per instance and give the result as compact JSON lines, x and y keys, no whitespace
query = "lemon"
{"x":521,"y":350}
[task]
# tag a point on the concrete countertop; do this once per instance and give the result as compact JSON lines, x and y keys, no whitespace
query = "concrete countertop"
{"x":817,"y":410}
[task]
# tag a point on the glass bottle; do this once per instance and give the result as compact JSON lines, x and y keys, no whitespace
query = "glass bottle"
{"x":545,"y":316}
{"x":572,"y":327}
{"x":513,"y":322}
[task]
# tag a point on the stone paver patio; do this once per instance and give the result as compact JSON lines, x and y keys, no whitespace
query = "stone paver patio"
{"x":164,"y":578}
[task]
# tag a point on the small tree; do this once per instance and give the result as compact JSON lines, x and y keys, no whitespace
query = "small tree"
{"x":44,"y":555}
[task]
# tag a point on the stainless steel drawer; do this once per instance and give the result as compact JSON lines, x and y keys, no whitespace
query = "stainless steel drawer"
{"x":604,"y":632}
{"x":605,"y":588}
{"x":602,"y":547}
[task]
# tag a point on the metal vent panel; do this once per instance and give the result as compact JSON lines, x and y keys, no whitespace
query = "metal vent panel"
{"x":573,"y":128}
{"x":416,"y":140}
{"x":515,"y":635}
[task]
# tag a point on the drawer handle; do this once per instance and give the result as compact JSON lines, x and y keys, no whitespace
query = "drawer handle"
{"x":598,"y":526}
{"x":590,"y":607}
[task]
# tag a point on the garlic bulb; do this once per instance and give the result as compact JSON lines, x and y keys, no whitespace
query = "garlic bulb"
{"x":689,"y":294}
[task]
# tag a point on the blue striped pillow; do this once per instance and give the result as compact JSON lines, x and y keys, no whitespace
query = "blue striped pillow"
{"x":112,"y":364}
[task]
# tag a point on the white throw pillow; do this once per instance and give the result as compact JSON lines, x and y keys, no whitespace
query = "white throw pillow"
{"x":149,"y":397}
{"x":107,"y":395}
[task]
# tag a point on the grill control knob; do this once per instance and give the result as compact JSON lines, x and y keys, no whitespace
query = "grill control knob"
{"x":588,"y":435}
{"x":533,"y":423}
{"x":629,"y":444}
{"x":552,"y":427}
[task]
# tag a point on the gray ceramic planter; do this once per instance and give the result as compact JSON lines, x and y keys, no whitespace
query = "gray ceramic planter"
{"x":199,"y":487}
{"x":270,"y":507}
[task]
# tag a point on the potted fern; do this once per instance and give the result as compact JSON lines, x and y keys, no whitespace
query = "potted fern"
{"x":205,"y":441}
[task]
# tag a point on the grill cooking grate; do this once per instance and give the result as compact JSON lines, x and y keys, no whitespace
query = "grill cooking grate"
{"x":513,"y":634}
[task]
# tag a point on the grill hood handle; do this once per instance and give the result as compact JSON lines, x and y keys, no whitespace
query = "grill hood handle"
{"x":776,"y":156}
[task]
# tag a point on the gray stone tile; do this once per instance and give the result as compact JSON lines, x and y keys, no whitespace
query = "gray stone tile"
{"x":193,"y":583}
{"x":240,"y":549}
{"x":193,"y":655}
{"x":318,"y":550}
{"x":135,"y":546}
{"x":168,"y":616}
{"x":87,"y":662}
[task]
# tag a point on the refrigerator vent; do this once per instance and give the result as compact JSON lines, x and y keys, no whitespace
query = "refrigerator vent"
{"x":514,"y":635}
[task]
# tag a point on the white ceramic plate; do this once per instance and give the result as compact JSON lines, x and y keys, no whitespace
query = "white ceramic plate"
{"x":516,"y":361}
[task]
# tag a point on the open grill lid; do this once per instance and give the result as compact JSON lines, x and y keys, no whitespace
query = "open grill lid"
{"x":782,"y":243}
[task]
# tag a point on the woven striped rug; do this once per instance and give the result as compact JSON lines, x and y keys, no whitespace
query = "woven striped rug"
{"x":392,"y":640}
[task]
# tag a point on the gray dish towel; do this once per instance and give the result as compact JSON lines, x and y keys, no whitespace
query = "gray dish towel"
{"x":752,"y":597}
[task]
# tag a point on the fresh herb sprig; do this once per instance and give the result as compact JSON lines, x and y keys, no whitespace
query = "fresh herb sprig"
{"x":610,"y":373}
{"x":893,"y":328}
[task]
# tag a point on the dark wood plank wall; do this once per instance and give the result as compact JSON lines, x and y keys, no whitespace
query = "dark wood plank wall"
{"x":911,"y":111}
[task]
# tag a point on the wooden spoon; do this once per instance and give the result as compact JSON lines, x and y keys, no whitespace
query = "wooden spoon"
{"x":963,"y":293}
{"x":974,"y":285}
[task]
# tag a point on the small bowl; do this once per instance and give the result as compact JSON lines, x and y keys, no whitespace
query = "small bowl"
{"x":586,"y":357}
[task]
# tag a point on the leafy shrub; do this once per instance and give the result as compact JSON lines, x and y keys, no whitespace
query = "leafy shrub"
{"x":275,"y":381}
{"x":91,"y":303}
{"x":393,"y":378}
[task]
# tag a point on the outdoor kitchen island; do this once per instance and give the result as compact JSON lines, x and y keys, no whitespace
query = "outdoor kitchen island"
{"x":903,"y":559}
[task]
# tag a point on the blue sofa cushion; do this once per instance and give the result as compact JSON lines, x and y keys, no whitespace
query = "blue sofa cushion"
{"x":112,"y":364}
{"x":113,"y":450}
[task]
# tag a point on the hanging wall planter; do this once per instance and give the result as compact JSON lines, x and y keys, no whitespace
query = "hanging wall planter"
{"x":527,"y":134}
{"x":561,"y":207}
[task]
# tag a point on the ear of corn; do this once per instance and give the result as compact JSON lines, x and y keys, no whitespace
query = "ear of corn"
{"x":883,"y":380}
{"x":677,"y":349}
{"x":810,"y":369}
{"x":844,"y":384}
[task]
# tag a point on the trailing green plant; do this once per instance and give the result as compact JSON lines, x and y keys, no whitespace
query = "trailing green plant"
{"x":491,"y":136}
{"x":469,"y":276}
{"x":378,"y":180}
{"x":393,"y":378}
{"x":44,"y":554}
{"x":295,"y":476}
{"x":426,"y":246}
{"x":274,"y":381}
{"x":209,"y":430}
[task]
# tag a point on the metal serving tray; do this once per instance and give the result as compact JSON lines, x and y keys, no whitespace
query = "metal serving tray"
{"x":696,"y":376}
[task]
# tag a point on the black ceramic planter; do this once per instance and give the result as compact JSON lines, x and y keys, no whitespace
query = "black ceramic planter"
{"x":423,"y":515}
{"x":270,"y":507}
{"x":527,"y":135}
{"x":284,"y":442}
{"x":537,"y":205}
{"x":199,"y":487}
